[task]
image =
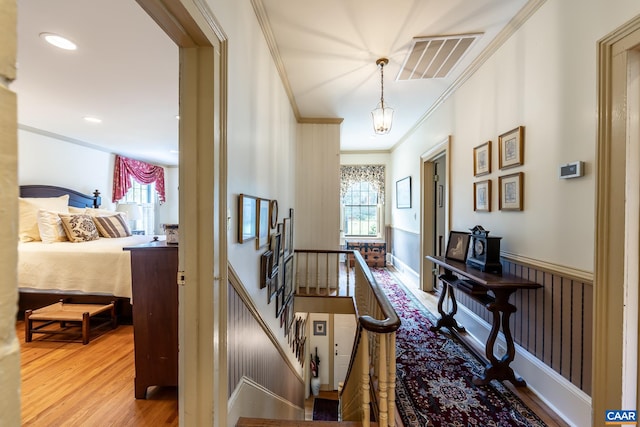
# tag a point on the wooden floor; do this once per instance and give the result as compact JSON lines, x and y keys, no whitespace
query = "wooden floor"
{"x":70,"y":384}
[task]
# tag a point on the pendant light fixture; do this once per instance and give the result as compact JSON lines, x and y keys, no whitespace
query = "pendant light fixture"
{"x":382,"y":115}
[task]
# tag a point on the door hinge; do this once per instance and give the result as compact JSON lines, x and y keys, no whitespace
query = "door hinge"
{"x":436,"y":178}
{"x":181,"y":280}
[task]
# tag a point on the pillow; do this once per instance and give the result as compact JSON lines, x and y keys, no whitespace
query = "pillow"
{"x":74,"y":210}
{"x":50,"y":227}
{"x":79,"y":228}
{"x":28,"y":214}
{"x":94,"y":212}
{"x":112,"y":226}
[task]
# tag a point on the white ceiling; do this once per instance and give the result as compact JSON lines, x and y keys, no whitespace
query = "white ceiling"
{"x":327,"y":50}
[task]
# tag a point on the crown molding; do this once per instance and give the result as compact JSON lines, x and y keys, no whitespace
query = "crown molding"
{"x":320,"y":120}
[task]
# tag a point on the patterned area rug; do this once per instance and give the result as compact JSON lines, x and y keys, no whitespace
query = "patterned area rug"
{"x":434,"y":373}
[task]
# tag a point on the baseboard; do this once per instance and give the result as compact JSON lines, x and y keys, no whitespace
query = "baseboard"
{"x":409,"y":276}
{"x":251,"y":400}
{"x":564,"y":398}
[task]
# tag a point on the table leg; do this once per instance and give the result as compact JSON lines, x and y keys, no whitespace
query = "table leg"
{"x":500,"y":369}
{"x":447,"y":320}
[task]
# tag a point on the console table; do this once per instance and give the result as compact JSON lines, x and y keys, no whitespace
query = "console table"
{"x":477,"y":284}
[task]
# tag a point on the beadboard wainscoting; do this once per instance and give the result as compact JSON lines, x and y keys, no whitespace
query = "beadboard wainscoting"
{"x":404,"y":249}
{"x":553,"y":333}
{"x":257,"y":364}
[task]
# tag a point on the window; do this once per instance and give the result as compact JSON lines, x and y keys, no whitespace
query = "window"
{"x":360,"y":207}
{"x":145,"y":196}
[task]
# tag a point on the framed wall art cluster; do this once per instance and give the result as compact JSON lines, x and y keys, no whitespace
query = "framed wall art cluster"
{"x":510,"y":186}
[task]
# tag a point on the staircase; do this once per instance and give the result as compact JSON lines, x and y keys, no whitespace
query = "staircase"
{"x":263,"y":422}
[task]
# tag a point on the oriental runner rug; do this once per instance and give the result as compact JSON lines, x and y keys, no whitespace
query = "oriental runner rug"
{"x":325,"y":409}
{"x":435,"y":370}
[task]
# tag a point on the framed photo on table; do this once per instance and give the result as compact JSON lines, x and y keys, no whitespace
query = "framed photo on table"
{"x":511,"y":148}
{"x":482,"y":159}
{"x":458,"y":246}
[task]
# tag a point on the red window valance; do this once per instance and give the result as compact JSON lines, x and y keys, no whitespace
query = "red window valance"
{"x":144,"y":173}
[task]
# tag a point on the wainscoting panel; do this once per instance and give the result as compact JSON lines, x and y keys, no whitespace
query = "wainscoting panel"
{"x":252,"y":354}
{"x":405,"y":246}
{"x":554,"y":323}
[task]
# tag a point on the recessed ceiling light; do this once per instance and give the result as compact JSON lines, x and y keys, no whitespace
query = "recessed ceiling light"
{"x":92,"y":119}
{"x":58,"y":41}
{"x":178,"y":116}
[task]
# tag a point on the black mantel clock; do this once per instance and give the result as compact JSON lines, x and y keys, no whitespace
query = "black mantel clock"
{"x":485,"y":251}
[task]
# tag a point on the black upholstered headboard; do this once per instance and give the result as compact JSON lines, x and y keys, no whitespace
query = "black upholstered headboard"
{"x":76,"y":198}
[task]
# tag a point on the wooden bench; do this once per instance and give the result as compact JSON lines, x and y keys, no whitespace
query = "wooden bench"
{"x":62,"y":313}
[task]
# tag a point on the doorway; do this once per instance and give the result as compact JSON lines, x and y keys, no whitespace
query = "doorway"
{"x":202,"y":327}
{"x":344,"y":329}
{"x":435,"y":177}
{"x":617,"y":246}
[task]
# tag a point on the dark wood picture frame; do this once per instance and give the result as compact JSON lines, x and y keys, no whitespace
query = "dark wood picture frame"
{"x":266,"y":268}
{"x":458,"y":246}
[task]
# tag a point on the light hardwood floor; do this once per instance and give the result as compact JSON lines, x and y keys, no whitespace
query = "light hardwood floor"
{"x":70,"y":384}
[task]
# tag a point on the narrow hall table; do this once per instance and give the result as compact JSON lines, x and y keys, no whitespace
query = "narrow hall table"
{"x":477,"y":284}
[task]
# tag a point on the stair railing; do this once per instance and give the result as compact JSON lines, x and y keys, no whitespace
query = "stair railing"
{"x":369,"y":386}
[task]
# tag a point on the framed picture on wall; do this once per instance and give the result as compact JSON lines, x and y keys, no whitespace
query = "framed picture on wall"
{"x":482,"y":196}
{"x":511,"y":148}
{"x":482,"y":159}
{"x":403,"y":193}
{"x":247,"y":211}
{"x":510,"y":189}
{"x":319,"y":327}
{"x":262,"y":228}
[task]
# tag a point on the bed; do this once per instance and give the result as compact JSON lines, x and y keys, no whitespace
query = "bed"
{"x":96,"y":271}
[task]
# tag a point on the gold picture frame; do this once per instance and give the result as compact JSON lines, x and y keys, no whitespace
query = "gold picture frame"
{"x":511,"y":148}
{"x":482,"y":159}
{"x":482,"y":196}
{"x":511,"y":194}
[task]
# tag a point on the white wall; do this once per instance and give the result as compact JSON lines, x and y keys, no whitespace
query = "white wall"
{"x":261,"y":142}
{"x":317,"y":219}
{"x":52,"y":161}
{"x":543,"y":78}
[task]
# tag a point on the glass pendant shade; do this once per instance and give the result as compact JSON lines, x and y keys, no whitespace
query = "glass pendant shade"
{"x":382,"y":119}
{"x":382,"y":116}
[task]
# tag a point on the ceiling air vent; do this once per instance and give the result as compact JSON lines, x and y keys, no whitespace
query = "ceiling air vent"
{"x":435,"y":57}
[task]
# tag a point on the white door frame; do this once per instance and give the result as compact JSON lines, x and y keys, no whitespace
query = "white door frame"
{"x":202,"y":384}
{"x":428,"y":220}
{"x":611,"y":246}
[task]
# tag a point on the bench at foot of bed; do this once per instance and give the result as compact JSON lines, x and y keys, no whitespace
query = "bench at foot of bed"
{"x":77,"y":315}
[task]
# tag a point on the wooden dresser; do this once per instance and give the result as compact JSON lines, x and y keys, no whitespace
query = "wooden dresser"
{"x":154,"y":269}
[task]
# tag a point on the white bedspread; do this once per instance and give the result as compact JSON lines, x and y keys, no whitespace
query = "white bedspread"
{"x":96,"y":267}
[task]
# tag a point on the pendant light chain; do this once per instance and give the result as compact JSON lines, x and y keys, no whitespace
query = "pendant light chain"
{"x":382,"y":84}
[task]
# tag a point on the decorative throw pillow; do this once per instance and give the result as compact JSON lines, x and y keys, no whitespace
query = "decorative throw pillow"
{"x":79,"y":228}
{"x":112,"y":226}
{"x":50,"y":227}
{"x":28,"y":214}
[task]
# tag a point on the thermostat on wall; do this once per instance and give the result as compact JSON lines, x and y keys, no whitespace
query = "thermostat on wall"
{"x":572,"y":170}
